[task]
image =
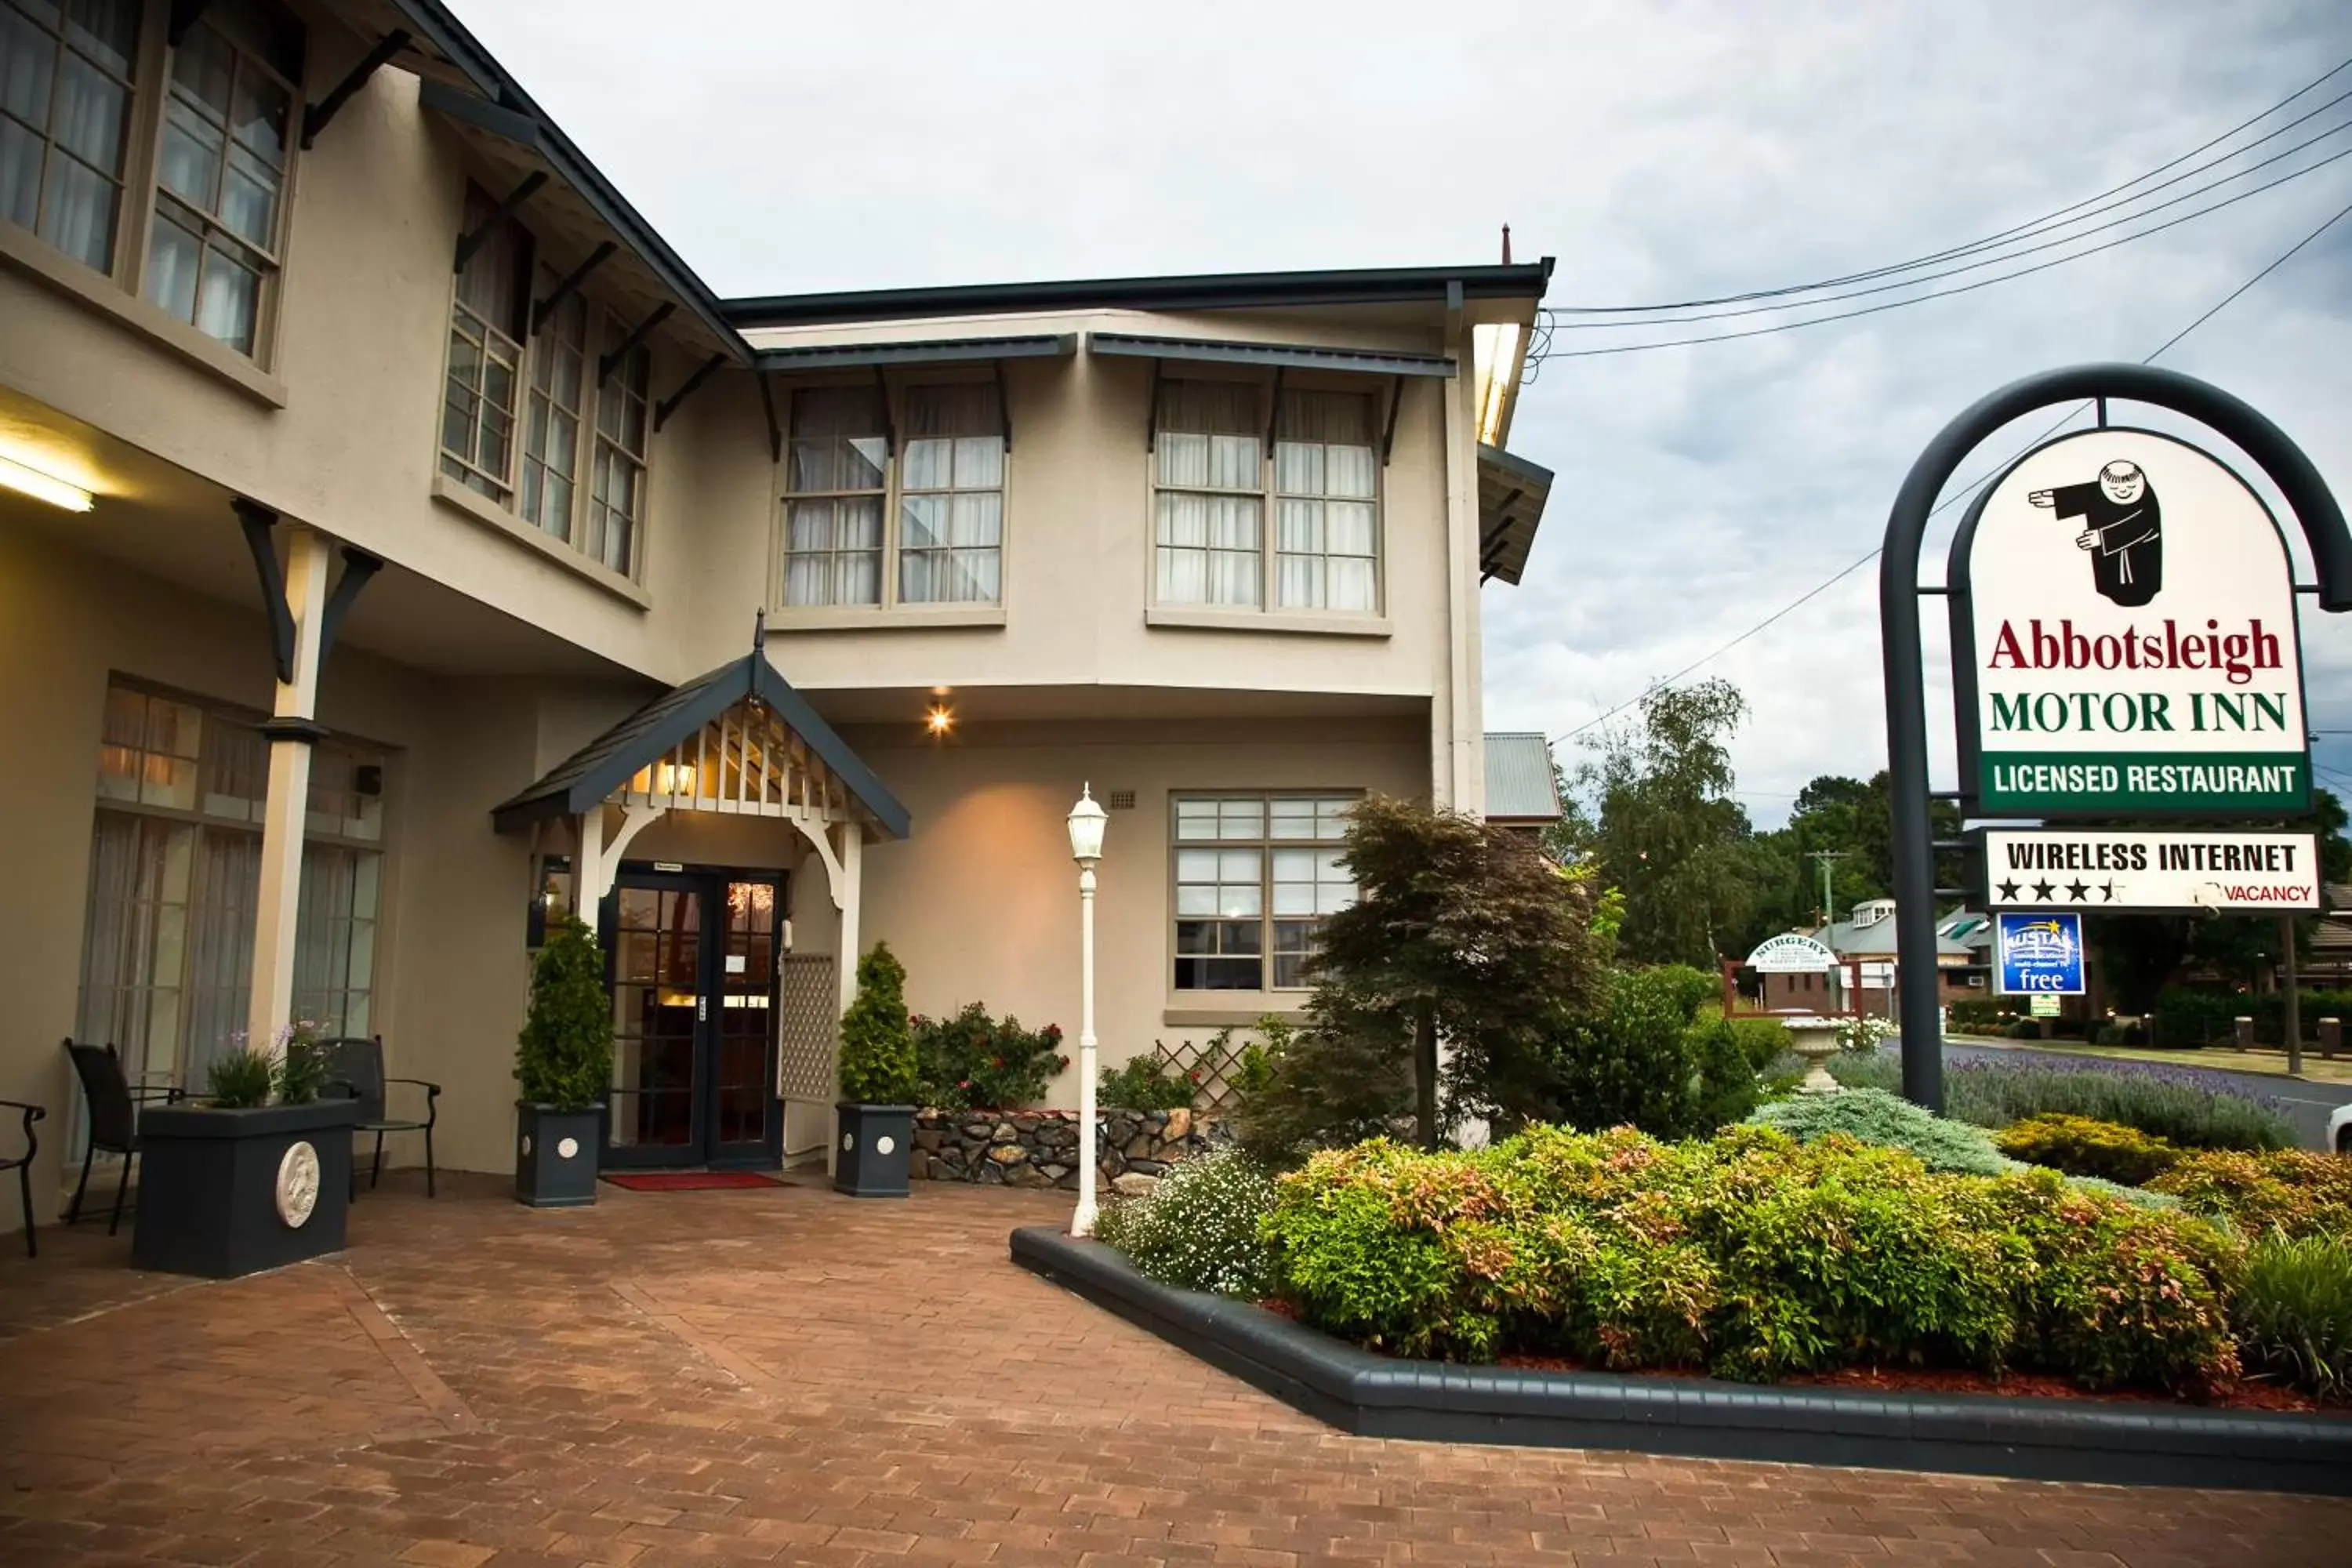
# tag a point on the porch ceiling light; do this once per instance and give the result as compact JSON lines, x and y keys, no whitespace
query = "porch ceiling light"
{"x":939,"y":720}
{"x":31,"y":481}
{"x":1087,"y":820}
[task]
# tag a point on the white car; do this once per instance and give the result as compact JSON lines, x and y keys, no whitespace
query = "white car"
{"x":2339,"y":1130}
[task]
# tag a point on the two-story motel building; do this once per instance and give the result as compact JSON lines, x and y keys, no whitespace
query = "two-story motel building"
{"x":387,"y":516}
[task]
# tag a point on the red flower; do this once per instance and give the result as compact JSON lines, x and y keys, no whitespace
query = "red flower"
{"x":996,"y":1061}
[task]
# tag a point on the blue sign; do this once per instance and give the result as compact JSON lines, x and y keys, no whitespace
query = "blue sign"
{"x":2040,"y":954}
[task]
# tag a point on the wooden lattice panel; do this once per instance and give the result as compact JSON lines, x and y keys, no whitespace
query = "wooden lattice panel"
{"x":807,"y":1026}
{"x":1218,"y":1063}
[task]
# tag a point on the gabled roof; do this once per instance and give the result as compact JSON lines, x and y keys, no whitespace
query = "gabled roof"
{"x":591,"y":775}
{"x":1520,"y":784}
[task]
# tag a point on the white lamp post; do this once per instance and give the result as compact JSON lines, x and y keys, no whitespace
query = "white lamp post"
{"x":1087,"y":820}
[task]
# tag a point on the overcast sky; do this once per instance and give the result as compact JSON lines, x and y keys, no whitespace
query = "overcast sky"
{"x":1660,"y":152}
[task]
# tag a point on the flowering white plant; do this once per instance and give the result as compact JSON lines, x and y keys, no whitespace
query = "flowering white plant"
{"x":1864,"y":1033}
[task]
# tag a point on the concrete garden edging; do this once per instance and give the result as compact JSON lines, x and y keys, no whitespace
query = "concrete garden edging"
{"x":1377,"y":1396}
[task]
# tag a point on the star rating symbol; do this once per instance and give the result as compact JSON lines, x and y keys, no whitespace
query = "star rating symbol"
{"x":2077,"y":891}
{"x":2008,"y":892}
{"x":2108,"y":891}
{"x":2041,"y":891}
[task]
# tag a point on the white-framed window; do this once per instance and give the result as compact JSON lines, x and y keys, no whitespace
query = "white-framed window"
{"x":175,"y":876}
{"x":1255,"y":877}
{"x":616,"y":480}
{"x":485,"y":370}
{"x":1213,"y":479}
{"x":927,"y":528}
{"x":838,"y":480}
{"x":559,"y":389}
{"x":951,"y":497}
{"x":162,"y":166}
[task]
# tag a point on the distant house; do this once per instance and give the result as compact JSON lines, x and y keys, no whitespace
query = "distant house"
{"x":1522,"y":789}
{"x":1963,"y":949}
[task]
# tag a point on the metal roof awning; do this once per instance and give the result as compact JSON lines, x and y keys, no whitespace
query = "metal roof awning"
{"x":1285,"y":356}
{"x":1511,"y":496}
{"x":739,"y":740}
{"x":942,"y":351}
{"x":1521,"y":787}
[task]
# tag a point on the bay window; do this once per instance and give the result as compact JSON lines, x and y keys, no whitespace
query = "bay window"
{"x":951,"y":509}
{"x":617,"y":491}
{"x":486,"y":333}
{"x":837,"y":483}
{"x":65,"y":97}
{"x":551,"y":455}
{"x":1255,"y":877}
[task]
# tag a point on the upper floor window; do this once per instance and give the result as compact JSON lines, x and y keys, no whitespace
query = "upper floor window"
{"x":945,"y":492}
{"x":1211,"y":478}
{"x":1256,"y":877}
{"x":221,"y":171}
{"x":65,"y":92}
{"x":525,"y":422}
{"x":195,"y":158}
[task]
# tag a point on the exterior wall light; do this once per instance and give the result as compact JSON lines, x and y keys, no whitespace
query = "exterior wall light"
{"x":939,"y":720}
{"x":16,"y":476}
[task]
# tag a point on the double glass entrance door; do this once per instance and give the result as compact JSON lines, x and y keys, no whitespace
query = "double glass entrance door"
{"x":691,"y":966}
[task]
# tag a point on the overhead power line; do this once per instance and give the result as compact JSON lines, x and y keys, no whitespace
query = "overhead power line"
{"x":1960,"y":288}
{"x":1957,"y":495}
{"x":2033,"y":225}
{"x":1913,"y":282}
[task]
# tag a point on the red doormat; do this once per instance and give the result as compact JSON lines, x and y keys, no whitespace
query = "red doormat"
{"x":686,"y":1181}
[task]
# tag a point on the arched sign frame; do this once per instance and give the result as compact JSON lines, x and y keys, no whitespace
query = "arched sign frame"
{"x":1899,"y":592}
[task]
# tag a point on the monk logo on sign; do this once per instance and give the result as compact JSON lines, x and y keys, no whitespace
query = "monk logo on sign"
{"x":2121,"y":528}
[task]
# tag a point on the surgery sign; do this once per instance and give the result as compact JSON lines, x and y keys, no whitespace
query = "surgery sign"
{"x":2124,"y":637}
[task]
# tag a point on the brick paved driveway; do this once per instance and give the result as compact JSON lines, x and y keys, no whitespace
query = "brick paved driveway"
{"x":786,"y":1377}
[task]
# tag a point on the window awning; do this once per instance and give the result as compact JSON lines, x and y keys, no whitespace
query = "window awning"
{"x":1511,"y":496}
{"x":1286,"y":356}
{"x":739,"y":740}
{"x":943,"y":351}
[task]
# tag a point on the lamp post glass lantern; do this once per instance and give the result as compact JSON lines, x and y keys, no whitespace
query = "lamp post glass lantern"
{"x":1086,"y":822}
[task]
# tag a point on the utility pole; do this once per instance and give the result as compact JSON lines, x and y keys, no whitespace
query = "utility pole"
{"x":1828,"y":857}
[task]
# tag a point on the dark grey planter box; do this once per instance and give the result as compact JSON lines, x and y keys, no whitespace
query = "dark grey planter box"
{"x":875,"y":1141}
{"x":555,"y":1155}
{"x":223,"y":1192}
{"x":2120,"y":1442}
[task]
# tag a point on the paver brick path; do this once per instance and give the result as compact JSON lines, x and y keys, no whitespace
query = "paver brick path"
{"x":791,"y":1377}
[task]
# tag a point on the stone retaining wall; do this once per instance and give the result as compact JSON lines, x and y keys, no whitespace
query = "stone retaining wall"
{"x":1040,"y":1148}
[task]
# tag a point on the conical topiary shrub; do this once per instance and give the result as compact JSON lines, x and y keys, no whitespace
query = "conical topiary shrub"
{"x":563,"y":1058}
{"x":877,"y":1041}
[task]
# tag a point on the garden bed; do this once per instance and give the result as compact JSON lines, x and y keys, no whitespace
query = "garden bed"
{"x":1841,"y":1421}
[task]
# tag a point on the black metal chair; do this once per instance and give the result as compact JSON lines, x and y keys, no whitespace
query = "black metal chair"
{"x":23,"y":1166}
{"x":113,"y":1101}
{"x":355,"y":1067}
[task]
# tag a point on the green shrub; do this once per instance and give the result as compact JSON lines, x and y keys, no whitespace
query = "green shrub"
{"x":2118,"y":1296}
{"x":2185,"y":1017}
{"x":563,"y":1057}
{"x":1692,"y":989}
{"x":2138,"y":1197}
{"x":1147,"y":1083}
{"x":2293,"y":1308}
{"x":2025,"y":1029}
{"x":877,"y":1042}
{"x":2184,"y":1109}
{"x":1728,"y":1088}
{"x":240,"y":1079}
{"x":1635,"y":1058}
{"x":2084,"y":1147}
{"x":1198,"y":1230}
{"x":1977,"y":1015}
{"x":2296,"y":1191}
{"x":969,"y":1061}
{"x":301,"y":1070}
{"x":1749,"y":1254}
{"x":1875,"y":1116}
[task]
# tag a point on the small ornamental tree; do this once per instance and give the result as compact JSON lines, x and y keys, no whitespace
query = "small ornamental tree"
{"x":877,"y":1041}
{"x":563,"y":1058}
{"x":1462,"y":930}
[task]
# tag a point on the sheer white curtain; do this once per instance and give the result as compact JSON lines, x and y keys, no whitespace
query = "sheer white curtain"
{"x":951,"y":508}
{"x":838,"y":467}
{"x":1212,"y":504}
{"x":1326,"y":549}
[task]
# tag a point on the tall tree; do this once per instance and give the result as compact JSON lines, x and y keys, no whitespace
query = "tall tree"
{"x":1667,"y":831}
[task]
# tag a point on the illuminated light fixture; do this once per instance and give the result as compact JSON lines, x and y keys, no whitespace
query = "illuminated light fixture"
{"x":939,"y":720}
{"x":30,"y":481}
{"x":1495,"y":350}
{"x":674,"y":778}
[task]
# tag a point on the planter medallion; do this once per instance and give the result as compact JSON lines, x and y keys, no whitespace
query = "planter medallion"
{"x":298,"y":1183}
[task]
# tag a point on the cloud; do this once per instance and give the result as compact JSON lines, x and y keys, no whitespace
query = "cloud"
{"x":1660,"y":153}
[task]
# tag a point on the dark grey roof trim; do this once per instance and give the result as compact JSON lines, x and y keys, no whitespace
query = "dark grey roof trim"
{"x":519,"y":120}
{"x":591,"y":775}
{"x":1227,"y":290}
{"x":1506,"y":532}
{"x":1293,"y":356}
{"x":942,"y":351}
{"x":1515,"y":466}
